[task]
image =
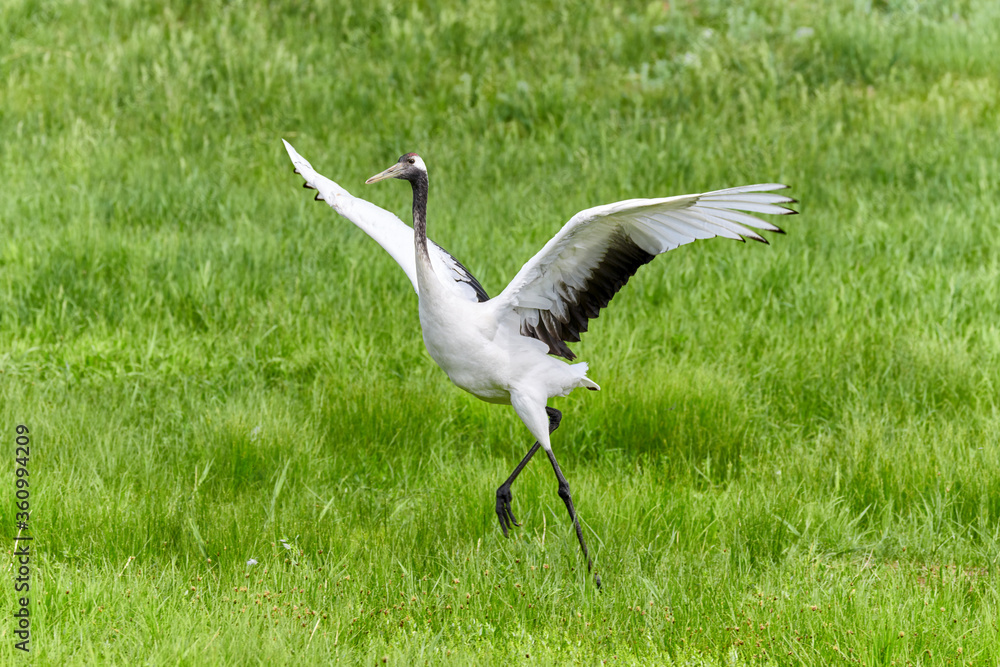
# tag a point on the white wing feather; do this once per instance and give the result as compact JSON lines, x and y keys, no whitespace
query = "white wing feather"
{"x":394,"y":235}
{"x":577,"y":272}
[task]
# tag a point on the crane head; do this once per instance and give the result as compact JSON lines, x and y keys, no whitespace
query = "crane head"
{"x":407,"y":168}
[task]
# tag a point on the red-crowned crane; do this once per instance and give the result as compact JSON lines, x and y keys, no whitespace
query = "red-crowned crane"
{"x":505,"y":349}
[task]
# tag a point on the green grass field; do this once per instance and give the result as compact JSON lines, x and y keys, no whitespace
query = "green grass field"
{"x":796,"y":455}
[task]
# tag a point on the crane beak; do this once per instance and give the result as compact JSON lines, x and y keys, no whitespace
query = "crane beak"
{"x":391,"y":172}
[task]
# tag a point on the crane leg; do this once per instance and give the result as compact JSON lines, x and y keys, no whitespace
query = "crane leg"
{"x":503,"y":493}
{"x":568,"y":499}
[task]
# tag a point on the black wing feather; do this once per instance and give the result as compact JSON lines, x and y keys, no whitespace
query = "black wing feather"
{"x":622,"y":259}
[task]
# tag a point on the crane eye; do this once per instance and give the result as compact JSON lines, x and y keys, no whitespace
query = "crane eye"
{"x":412,"y":161}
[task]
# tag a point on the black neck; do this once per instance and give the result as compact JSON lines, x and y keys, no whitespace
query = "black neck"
{"x":419,"y":184}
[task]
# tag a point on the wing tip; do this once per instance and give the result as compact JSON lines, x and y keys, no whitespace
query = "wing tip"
{"x":298,"y":161}
{"x":774,"y":229}
{"x":791,"y":200}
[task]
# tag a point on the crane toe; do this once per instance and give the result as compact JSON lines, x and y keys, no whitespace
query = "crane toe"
{"x":504,"y":512}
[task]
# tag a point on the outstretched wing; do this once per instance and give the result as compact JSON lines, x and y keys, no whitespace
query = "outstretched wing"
{"x":394,"y":235}
{"x":578,"y":272}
